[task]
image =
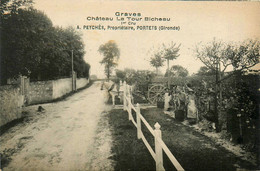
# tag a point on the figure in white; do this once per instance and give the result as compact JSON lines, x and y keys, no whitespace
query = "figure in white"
{"x":167,"y":99}
{"x":192,"y":111}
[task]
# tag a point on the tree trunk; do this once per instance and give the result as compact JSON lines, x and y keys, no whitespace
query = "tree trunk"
{"x":108,"y":72}
{"x":168,"y":71}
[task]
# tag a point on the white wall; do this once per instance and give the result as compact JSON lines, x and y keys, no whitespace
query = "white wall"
{"x":81,"y":82}
{"x":11,"y":102}
{"x":61,"y":87}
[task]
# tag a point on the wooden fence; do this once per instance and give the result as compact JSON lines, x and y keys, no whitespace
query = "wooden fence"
{"x":160,"y":146}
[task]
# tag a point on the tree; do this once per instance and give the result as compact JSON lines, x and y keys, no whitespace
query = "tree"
{"x":177,"y":71}
{"x":205,"y":71}
{"x":34,"y":48}
{"x":23,"y":42}
{"x":72,"y":40}
{"x":170,"y":52}
{"x":156,"y":58}
{"x":111,"y":54}
{"x":141,"y":79}
{"x":120,"y":74}
{"x":245,"y":55}
{"x":129,"y":75}
{"x":218,"y":56}
{"x":11,"y":6}
{"x":157,"y":61}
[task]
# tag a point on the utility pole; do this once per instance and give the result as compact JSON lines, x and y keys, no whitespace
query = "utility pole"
{"x":216,"y":95}
{"x":72,"y":70}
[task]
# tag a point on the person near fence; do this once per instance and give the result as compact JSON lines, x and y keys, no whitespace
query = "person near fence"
{"x":167,"y":98}
{"x":192,"y":111}
{"x":111,"y":90}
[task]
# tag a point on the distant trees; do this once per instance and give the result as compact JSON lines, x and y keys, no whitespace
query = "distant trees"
{"x":140,"y":78}
{"x":120,"y":74}
{"x":177,"y":71}
{"x":205,"y":71}
{"x":31,"y":46}
{"x":111,"y":54}
{"x":166,"y":52}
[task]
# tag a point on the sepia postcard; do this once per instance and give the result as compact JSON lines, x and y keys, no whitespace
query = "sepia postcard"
{"x":129,"y":85}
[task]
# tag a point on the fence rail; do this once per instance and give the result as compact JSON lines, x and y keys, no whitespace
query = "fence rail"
{"x":160,"y":146}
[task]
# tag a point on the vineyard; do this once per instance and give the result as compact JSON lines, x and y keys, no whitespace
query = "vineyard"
{"x":233,"y":112}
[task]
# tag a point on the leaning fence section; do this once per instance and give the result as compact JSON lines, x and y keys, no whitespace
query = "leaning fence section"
{"x":160,"y":146}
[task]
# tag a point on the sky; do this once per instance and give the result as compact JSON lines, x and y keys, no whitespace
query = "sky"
{"x":198,"y":22}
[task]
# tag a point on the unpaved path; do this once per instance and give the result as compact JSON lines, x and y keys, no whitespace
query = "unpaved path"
{"x":69,"y":135}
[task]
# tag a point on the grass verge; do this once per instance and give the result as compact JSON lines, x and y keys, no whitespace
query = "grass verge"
{"x":193,"y":150}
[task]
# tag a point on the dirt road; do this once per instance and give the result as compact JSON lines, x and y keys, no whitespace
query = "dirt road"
{"x":69,"y":135}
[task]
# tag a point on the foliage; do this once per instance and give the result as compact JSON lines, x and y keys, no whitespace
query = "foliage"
{"x":171,"y":51}
{"x":205,"y":71}
{"x":132,"y":76}
{"x":177,"y":71}
{"x":244,"y":90}
{"x":240,"y":96}
{"x":211,"y":54}
{"x":166,"y":52}
{"x":120,"y":74}
{"x":111,"y":54}
{"x":11,"y":6}
{"x":156,"y":59}
{"x":129,"y":75}
{"x":218,"y":56}
{"x":241,"y":56}
{"x":34,"y":48}
{"x":244,"y":55}
{"x":141,"y":79}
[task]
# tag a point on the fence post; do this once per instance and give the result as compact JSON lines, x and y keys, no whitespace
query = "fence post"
{"x":124,"y":98}
{"x":129,"y":107}
{"x":158,"y":148}
{"x":127,"y":89}
{"x":113,"y":99}
{"x":138,"y":121}
{"x":131,"y":92}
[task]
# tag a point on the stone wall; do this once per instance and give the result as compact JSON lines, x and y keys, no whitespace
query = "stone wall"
{"x":61,"y":87}
{"x":11,"y":102}
{"x":39,"y":92}
{"x":44,"y":91}
{"x":81,"y":82}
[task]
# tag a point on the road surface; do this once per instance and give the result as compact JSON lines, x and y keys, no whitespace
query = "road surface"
{"x":69,"y":135}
